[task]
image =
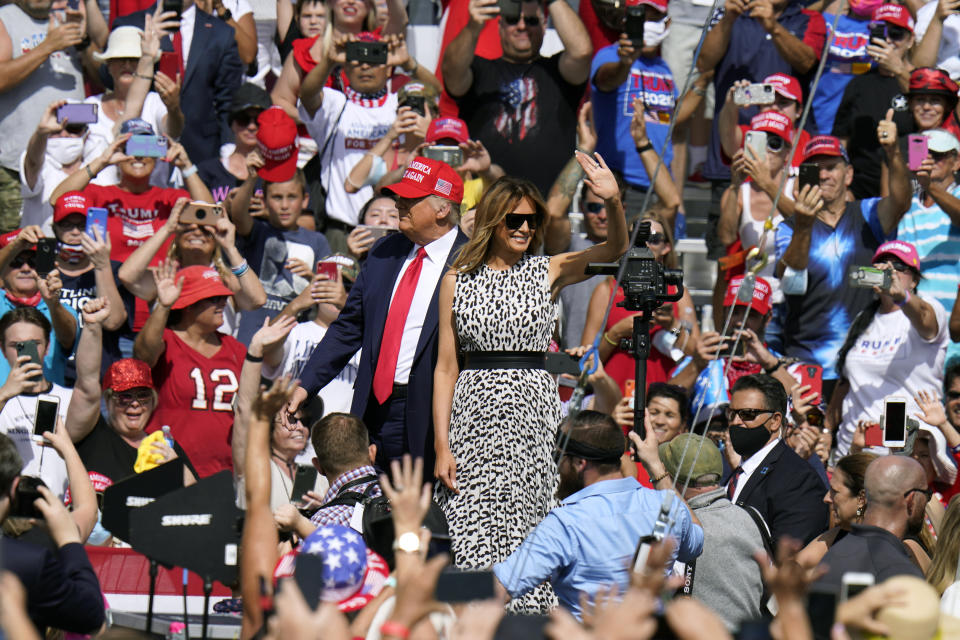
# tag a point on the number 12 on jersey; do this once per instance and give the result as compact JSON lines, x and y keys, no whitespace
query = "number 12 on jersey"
{"x":225,"y":387}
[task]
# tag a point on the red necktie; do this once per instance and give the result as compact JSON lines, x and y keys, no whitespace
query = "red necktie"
{"x":178,"y":49}
{"x":732,"y":485}
{"x":393,"y":329}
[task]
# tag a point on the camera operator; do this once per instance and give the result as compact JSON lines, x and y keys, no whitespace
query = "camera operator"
{"x":62,"y":589}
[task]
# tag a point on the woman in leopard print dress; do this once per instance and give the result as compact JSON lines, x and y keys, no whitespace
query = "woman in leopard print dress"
{"x":496,"y":420}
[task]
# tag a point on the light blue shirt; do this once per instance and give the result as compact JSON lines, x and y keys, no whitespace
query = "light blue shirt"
{"x":588,"y":542}
{"x":937,"y":240}
{"x":55,"y":362}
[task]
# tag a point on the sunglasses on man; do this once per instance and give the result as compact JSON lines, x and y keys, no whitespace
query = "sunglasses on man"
{"x":530,"y":21}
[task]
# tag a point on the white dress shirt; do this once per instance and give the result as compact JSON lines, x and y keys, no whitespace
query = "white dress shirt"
{"x":187,"y":19}
{"x":751,"y":464}
{"x":433,"y":268}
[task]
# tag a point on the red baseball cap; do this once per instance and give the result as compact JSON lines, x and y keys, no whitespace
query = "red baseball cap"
{"x":824,"y":146}
{"x":128,"y":373}
{"x":899,"y":249}
{"x":773,"y":122}
{"x":787,"y":86}
{"x":199,"y":283}
{"x":761,"y":295}
{"x":10,"y":236}
{"x":426,"y":177}
{"x":277,"y":138}
{"x":894,"y":14}
{"x":454,"y":128}
{"x":69,"y":203}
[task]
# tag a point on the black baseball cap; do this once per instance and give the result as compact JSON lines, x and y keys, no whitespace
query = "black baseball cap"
{"x":249,"y":96}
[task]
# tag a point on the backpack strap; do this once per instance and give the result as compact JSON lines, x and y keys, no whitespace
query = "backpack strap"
{"x":761,"y":526}
{"x":350,"y":498}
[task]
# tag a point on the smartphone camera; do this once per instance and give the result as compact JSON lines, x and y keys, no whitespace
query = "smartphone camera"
{"x":23,"y":498}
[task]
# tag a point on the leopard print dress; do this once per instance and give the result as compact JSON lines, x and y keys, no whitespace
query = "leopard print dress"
{"x":503,"y":422}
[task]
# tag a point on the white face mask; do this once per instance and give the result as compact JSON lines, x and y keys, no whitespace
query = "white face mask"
{"x":64,"y":150}
{"x":655,"y":32}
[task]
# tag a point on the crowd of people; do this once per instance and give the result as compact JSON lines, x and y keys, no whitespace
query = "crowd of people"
{"x":357,"y":284}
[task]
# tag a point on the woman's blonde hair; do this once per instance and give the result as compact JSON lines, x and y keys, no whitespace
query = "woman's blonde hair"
{"x":670,"y":259}
{"x":943,"y":564}
{"x":369,"y":23}
{"x":501,"y":198}
{"x":173,"y":252}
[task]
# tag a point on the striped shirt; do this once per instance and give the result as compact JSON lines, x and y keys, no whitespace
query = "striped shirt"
{"x":938,"y":242}
{"x":341,"y":513}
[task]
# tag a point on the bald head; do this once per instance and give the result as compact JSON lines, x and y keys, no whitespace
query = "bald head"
{"x":889,"y":477}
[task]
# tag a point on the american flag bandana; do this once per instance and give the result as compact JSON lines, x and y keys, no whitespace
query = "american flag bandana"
{"x":366,"y":100}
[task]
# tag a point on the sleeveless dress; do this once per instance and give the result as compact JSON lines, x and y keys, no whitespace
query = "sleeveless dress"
{"x":504,"y":422}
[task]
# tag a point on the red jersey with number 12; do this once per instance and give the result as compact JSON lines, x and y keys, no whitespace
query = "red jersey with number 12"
{"x":196,"y":399}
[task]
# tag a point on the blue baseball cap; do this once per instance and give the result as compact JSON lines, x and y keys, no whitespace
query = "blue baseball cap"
{"x":137,"y":126}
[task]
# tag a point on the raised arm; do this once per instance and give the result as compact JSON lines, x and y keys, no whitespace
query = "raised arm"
{"x":444,"y":380}
{"x":149,"y":344}
{"x":577,"y":50}
{"x":248,"y":293}
{"x":178,"y":156}
{"x":265,"y":337}
{"x":239,"y":207}
{"x":83,"y":499}
{"x":797,"y":255}
{"x":37,"y":145}
{"x":311,"y":91}
{"x":947,"y":202}
{"x":458,"y":56}
{"x":798,"y":54}
{"x":731,"y":138}
{"x":717,"y":40}
{"x":286,"y":91}
{"x":925,"y":52}
{"x":728,"y":225}
{"x":569,"y":268}
{"x":61,"y":317}
{"x":258,"y":548}
{"x":78,"y":180}
{"x":557,"y":236}
{"x":611,"y":75}
{"x":84,"y":409}
{"x":919,"y":312}
{"x":13,"y":71}
{"x":664,"y":186}
{"x":135,"y":273}
{"x":98,"y":249}
{"x":891,"y":208}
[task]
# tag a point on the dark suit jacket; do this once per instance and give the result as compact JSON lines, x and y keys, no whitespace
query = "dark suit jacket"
{"x":360,"y":324}
{"x":212,"y":74}
{"x":62,"y":589}
{"x":788,"y":493}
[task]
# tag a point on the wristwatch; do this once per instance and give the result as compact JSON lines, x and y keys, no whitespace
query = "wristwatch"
{"x":408,"y":542}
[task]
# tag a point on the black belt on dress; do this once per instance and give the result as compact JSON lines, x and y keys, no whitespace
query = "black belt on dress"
{"x":504,"y":360}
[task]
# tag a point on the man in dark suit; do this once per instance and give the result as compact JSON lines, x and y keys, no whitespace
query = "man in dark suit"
{"x":771,"y":477}
{"x":62,"y":589}
{"x":211,"y":71}
{"x":392,"y":314}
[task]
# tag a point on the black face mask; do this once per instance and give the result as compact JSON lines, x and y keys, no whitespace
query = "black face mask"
{"x":746,"y":441}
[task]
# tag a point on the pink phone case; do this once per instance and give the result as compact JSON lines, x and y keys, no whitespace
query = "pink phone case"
{"x":916,"y":151}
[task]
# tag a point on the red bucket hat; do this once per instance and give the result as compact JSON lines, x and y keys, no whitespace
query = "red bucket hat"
{"x":927,"y":80}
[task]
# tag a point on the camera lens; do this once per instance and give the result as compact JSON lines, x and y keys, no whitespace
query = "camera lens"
{"x":201,"y":214}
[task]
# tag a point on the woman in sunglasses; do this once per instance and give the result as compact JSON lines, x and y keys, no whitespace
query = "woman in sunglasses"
{"x":194,"y":244}
{"x":895,"y":347}
{"x":674,"y":327}
{"x":496,"y":416}
{"x":746,"y":205}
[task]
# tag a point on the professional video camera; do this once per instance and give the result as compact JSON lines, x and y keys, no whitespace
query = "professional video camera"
{"x":645,"y":284}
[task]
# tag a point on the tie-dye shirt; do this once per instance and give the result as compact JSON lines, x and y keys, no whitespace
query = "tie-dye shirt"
{"x":816,"y":322}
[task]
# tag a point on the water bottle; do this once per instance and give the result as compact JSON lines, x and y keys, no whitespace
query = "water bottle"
{"x":167,"y":436}
{"x":706,"y":318}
